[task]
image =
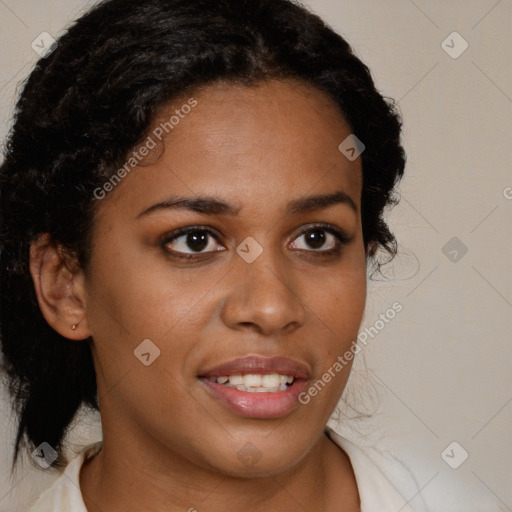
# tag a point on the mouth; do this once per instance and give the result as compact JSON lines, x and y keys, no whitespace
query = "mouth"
{"x":257,"y":387}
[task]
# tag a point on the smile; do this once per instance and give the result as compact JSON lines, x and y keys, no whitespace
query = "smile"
{"x":257,"y":387}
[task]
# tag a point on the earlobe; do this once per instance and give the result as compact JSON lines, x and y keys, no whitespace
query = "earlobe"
{"x":59,"y":288}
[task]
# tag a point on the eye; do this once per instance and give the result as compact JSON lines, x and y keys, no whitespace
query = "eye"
{"x":320,"y":235}
{"x":193,"y":241}
{"x":194,"y":238}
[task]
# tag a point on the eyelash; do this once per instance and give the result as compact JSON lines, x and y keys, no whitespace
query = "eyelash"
{"x":340,"y":235}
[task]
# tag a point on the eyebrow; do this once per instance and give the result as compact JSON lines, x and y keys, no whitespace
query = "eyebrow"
{"x":214,"y":206}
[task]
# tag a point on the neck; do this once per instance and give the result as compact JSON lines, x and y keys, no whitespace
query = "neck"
{"x":117,"y":479}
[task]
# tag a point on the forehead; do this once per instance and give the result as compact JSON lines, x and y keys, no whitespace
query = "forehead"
{"x":248,"y":144}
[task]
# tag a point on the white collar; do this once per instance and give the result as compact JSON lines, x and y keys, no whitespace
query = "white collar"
{"x":372,"y":470}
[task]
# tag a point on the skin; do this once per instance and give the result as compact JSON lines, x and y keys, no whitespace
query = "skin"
{"x":167,"y":444}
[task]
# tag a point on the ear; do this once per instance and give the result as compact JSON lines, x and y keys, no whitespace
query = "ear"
{"x":60,"y":288}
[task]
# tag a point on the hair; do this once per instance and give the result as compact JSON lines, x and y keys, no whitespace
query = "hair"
{"x":92,"y":100}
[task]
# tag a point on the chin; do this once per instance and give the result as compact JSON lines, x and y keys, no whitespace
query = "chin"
{"x":260,"y":456}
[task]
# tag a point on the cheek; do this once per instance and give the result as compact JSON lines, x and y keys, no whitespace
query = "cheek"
{"x":141,"y":295}
{"x":342,"y":310}
{"x":132,"y":301}
{"x":336,"y":312}
{"x":340,"y":295}
{"x":337,"y":304}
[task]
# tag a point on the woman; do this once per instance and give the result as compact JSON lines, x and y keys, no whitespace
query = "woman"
{"x":192,"y":194}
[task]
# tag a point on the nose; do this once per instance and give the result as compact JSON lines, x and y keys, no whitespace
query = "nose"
{"x":263,"y":296}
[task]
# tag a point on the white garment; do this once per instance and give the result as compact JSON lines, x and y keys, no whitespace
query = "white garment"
{"x":378,"y":478}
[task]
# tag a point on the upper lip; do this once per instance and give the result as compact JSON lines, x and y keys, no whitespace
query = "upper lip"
{"x":259,"y":365}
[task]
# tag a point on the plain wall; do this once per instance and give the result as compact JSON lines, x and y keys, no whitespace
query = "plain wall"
{"x":442,"y":365}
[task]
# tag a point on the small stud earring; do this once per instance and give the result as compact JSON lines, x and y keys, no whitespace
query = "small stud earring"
{"x":73,"y":327}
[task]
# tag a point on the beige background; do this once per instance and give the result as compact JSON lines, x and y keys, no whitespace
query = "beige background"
{"x":442,"y":365}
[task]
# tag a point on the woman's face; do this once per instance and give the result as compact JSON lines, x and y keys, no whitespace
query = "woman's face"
{"x":245,"y":286}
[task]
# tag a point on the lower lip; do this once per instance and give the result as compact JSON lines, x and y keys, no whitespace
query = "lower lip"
{"x":258,"y":405}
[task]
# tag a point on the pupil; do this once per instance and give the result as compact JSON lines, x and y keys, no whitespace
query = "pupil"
{"x":315,"y":238}
{"x":197,"y":241}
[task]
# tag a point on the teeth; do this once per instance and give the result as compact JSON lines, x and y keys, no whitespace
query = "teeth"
{"x":235,"y":380}
{"x":252,"y":381}
{"x":261,"y":390}
{"x":255,"y":383}
{"x":271,"y":381}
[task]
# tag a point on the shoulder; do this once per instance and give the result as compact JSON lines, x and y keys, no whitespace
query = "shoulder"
{"x":64,"y":495}
{"x":385,"y":484}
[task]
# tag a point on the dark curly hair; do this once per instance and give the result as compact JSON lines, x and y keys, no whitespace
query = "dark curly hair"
{"x":93,"y":99}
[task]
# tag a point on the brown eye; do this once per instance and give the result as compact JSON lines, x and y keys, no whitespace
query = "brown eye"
{"x":191,"y":241}
{"x":315,"y":238}
{"x":321,"y":238}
